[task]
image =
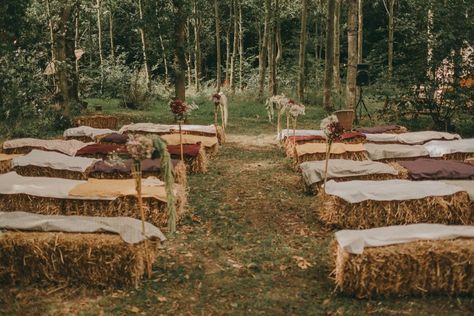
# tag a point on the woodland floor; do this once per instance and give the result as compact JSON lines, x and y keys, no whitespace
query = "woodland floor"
{"x":250,"y":245}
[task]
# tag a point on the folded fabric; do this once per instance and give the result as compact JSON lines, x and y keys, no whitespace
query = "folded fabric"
{"x":441,"y":148}
{"x":54,"y":160}
{"x":129,"y":229}
{"x":114,"y":138}
{"x":382,"y":138}
{"x":164,"y":128}
{"x":351,"y":135}
{"x":319,"y":148}
{"x":205,"y":129}
{"x":313,"y":171}
{"x":394,"y":151}
{"x":389,"y":190}
{"x":12,"y":183}
{"x":354,"y":241}
{"x":432,"y":169}
{"x":378,"y":129}
{"x":68,"y":147}
{"x":111,"y":189}
{"x":206,"y":141}
{"x":191,"y":150}
{"x":101,"y":149}
{"x":305,"y":138}
{"x":109,"y":167}
{"x":467,"y":185}
{"x":418,"y":138}
{"x":86,"y":131}
{"x":300,"y":132}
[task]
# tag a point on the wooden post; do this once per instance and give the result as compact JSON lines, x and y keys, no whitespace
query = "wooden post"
{"x":181,"y":140}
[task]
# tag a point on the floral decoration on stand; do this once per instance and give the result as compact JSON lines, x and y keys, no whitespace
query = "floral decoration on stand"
{"x":140,"y":148}
{"x":333,"y":131}
{"x":294,"y":111}
{"x":180,"y":109}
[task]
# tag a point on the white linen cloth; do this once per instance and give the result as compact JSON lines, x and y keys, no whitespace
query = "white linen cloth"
{"x":354,"y":241}
{"x":383,"y":137}
{"x":54,"y":160}
{"x":440,"y":148}
{"x":300,"y":132}
{"x":393,"y":151}
{"x":165,"y":128}
{"x":418,"y":138}
{"x":68,"y":147}
{"x":313,"y":171}
{"x":389,"y":190}
{"x":86,"y":131}
{"x":467,"y":185}
{"x":129,"y":229}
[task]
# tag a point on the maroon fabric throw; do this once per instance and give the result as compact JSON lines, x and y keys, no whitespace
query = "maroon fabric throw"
{"x":305,"y":138}
{"x":115,"y":138}
{"x":191,"y":150}
{"x":431,"y":169}
{"x":101,"y":149}
{"x":351,"y":135}
{"x":378,"y":129}
{"x":148,"y":165}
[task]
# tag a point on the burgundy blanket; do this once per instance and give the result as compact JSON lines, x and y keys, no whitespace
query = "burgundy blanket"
{"x":305,"y":138}
{"x":115,"y":138}
{"x":101,"y":149}
{"x":431,"y":169}
{"x":351,"y":135}
{"x":148,"y":165}
{"x":191,"y":150}
{"x":378,"y":129}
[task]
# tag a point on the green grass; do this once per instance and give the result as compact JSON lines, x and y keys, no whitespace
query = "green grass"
{"x":234,"y":252}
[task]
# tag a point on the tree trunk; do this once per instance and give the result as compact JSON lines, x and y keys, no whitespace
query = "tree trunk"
{"x":188,"y":56}
{"x":241,"y":46}
{"x":329,"y":59}
{"x":64,"y":53}
{"x":179,"y":58}
{"x":99,"y":40}
{"x":142,"y":37}
{"x":218,"y":45}
{"x":391,"y":4}
{"x":360,"y":33}
{"x":352,"y":54}
{"x":197,"y":46}
{"x":279,"y":47}
{"x":163,"y":52}
{"x":337,"y":46}
{"x":76,"y":41}
{"x":227,"y":49}
{"x":51,"y":35}
{"x":234,"y":48}
{"x":111,"y":35}
{"x":302,"y":54}
{"x":262,"y":58}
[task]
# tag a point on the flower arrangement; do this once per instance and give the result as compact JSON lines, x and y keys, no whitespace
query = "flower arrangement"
{"x":140,"y":147}
{"x":296,"y":109}
{"x":216,"y":97}
{"x":333,"y":131}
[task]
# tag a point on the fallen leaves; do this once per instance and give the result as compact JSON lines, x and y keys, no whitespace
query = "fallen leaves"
{"x":302,"y":263}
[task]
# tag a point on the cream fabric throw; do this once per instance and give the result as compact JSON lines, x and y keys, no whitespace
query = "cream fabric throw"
{"x":300,"y":132}
{"x":354,"y":241}
{"x":206,"y":141}
{"x":418,"y":138}
{"x":467,"y":185}
{"x":165,"y":128}
{"x":54,"y":160}
{"x":389,"y":190}
{"x":441,"y":148}
{"x":393,"y":151}
{"x":68,"y":147}
{"x":379,"y":138}
{"x":320,"y":148}
{"x":87,"y":131}
{"x":129,"y":229}
{"x":313,"y":171}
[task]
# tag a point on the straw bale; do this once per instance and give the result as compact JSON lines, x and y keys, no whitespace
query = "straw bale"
{"x":198,"y":164}
{"x":97,"y":260}
{"x":349,"y":155}
{"x":180,"y":175}
{"x":354,"y":140}
{"x":5,"y":166}
{"x":402,"y":172}
{"x":469,"y":160}
{"x":156,"y":211}
{"x":85,"y":139}
{"x":97,"y":121}
{"x":36,"y":171}
{"x":20,"y":150}
{"x":458,"y":156}
{"x":416,"y":268}
{"x":388,"y":160}
{"x":450,"y":209}
{"x":220,"y":134}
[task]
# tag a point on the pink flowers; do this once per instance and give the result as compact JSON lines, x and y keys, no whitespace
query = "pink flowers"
{"x":180,"y":108}
{"x":332,"y":128}
{"x":140,"y":147}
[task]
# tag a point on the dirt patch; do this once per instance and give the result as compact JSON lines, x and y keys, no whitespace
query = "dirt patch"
{"x":262,"y":140}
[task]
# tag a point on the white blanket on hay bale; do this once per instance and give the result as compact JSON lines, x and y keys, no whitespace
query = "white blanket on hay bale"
{"x":389,"y":190}
{"x":87,"y":131}
{"x":54,"y":160}
{"x":300,"y":132}
{"x":417,"y":138}
{"x":165,"y":128}
{"x":354,"y":241}
{"x":313,"y":171}
{"x":393,"y":151}
{"x":129,"y":229}
{"x":441,"y":148}
{"x":68,"y":147}
{"x":467,"y":185}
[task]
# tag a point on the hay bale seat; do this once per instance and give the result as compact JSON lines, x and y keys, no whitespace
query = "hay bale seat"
{"x":6,"y":162}
{"x":381,"y":129}
{"x":425,"y":202}
{"x":415,"y":268}
{"x":195,"y":157}
{"x":315,"y":151}
{"x":37,"y":171}
{"x":341,"y":170}
{"x":460,"y":149}
{"x":97,"y":121}
{"x":435,"y":169}
{"x":395,"y":152}
{"x":85,"y":139}
{"x":26,"y":145}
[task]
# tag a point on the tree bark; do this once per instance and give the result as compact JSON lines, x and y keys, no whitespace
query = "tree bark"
{"x":227,"y":48}
{"x":360,"y":33}
{"x":51,"y":35}
{"x":143,"y":40}
{"x":218,"y":45}
{"x":111,"y":35}
{"x":352,"y":54}
{"x":241,"y":45}
{"x":337,"y":46}
{"x":329,"y":59}
{"x":164,"y":54}
{"x":262,"y":58}
{"x":180,"y":59}
{"x":197,"y":46}
{"x":99,"y":40}
{"x":234,"y":48}
{"x":302,"y":54}
{"x":390,"y":38}
{"x":188,"y":56}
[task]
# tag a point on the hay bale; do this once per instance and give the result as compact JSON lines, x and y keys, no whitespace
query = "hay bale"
{"x":450,"y":209}
{"x":97,"y":121}
{"x":156,"y":211}
{"x":5,"y":166}
{"x":416,"y":268}
{"x":459,"y":156}
{"x":36,"y":171}
{"x":220,"y":133}
{"x":349,"y":155}
{"x":21,"y":150}
{"x":391,"y":160}
{"x":97,"y":260}
{"x":85,"y":139}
